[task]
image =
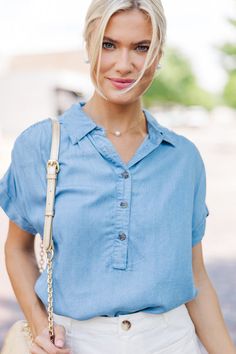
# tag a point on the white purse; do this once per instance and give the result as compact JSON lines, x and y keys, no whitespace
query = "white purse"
{"x":19,"y":337}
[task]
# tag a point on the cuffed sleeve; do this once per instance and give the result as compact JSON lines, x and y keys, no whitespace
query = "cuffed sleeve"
{"x":200,"y":208}
{"x":12,"y":192}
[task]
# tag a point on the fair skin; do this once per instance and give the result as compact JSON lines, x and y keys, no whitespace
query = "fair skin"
{"x":123,"y":60}
{"x":205,"y":310}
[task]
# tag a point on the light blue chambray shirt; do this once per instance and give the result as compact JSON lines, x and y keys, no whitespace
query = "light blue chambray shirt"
{"x":123,"y":233}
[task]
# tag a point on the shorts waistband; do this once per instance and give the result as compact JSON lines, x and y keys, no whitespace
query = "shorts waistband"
{"x":129,"y":323}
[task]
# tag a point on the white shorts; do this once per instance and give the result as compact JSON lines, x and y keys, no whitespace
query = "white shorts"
{"x":172,"y":332}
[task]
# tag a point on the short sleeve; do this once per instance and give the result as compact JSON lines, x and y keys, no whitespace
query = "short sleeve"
{"x":200,"y":208}
{"x":12,"y":192}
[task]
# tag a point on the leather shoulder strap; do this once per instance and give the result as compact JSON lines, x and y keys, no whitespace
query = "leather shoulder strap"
{"x":52,"y":171}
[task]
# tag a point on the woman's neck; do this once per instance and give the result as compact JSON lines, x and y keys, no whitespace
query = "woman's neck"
{"x":115,"y":116}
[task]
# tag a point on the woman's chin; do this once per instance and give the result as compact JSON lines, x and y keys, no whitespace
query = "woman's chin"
{"x":120,"y":98}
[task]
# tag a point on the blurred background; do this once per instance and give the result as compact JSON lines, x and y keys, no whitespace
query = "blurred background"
{"x":43,"y":71}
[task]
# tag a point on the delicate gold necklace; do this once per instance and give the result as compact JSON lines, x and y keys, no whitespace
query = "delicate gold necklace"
{"x":118,"y":133}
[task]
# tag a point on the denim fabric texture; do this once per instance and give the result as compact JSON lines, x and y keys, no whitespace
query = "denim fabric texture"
{"x":123,"y":232}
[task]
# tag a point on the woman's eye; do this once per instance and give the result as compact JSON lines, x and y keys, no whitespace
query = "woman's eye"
{"x":140,"y":48}
{"x":107,"y":45}
{"x":143,"y":48}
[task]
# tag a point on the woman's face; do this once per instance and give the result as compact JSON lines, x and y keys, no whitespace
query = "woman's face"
{"x":126,"y":42}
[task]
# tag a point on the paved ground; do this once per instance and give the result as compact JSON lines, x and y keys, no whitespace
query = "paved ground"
{"x":217,"y":144}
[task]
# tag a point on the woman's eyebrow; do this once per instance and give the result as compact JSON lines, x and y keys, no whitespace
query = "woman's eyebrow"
{"x":147,"y":41}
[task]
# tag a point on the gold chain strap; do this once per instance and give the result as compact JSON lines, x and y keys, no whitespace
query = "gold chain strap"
{"x":49,"y":256}
{"x":42,"y":258}
{"x":50,"y":293}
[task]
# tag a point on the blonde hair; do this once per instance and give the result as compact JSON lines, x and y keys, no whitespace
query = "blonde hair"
{"x":103,"y":10}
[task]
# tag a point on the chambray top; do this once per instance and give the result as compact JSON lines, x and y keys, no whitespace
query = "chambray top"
{"x":123,"y":233}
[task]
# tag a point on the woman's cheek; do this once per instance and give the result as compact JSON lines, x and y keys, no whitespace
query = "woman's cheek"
{"x":106,"y":62}
{"x":146,"y":80}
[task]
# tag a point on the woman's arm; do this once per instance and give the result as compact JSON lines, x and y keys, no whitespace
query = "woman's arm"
{"x":23,"y":272}
{"x":205,"y":311}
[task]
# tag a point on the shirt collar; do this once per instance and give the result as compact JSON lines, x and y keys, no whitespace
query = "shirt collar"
{"x":156,"y":129}
{"x":78,"y":124}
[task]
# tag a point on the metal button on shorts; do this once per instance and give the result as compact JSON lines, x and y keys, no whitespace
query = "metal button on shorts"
{"x":125,"y":325}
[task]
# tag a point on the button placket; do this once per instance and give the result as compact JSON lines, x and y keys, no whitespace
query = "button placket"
{"x":120,"y":250}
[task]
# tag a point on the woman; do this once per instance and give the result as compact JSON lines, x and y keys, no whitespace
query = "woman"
{"x":130,"y":210}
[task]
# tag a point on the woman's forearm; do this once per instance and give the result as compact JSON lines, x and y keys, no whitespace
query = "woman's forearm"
{"x":23,"y":272}
{"x":207,"y":317}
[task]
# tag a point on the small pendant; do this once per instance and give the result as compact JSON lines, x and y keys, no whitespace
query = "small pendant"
{"x":117,"y":133}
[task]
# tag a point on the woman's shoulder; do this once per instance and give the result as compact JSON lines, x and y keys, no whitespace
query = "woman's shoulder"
{"x":185,"y":147}
{"x":31,"y":141}
{"x":34,"y":130}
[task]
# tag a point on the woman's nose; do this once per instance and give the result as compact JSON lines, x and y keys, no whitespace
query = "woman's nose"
{"x":124,"y":62}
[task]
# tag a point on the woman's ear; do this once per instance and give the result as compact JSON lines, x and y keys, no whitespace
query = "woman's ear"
{"x":157,"y":60}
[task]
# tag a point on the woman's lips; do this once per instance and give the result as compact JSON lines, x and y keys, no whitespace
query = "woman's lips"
{"x":121,"y":85}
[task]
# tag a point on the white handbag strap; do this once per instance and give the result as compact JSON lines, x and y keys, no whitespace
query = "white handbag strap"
{"x":52,"y":171}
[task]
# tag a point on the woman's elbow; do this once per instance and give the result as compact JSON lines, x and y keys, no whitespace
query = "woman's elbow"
{"x":18,"y":240}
